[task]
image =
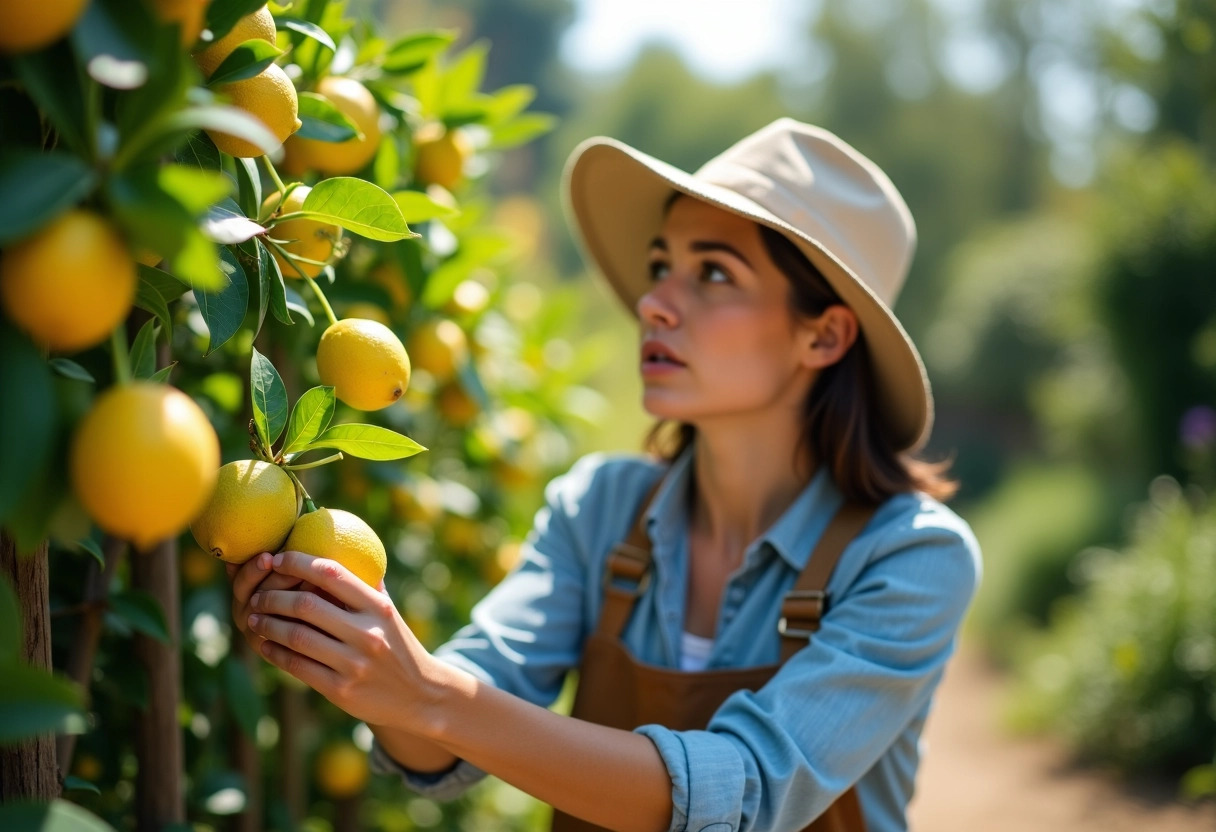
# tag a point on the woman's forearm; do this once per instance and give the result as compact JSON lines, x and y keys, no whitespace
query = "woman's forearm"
{"x":607,"y":776}
{"x":413,"y":752}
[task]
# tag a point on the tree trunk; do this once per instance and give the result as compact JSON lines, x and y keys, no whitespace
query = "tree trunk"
{"x":28,"y":771}
{"x":245,"y":757}
{"x":293,"y":709}
{"x":159,"y":793}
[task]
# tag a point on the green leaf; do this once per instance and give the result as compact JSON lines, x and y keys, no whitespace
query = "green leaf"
{"x":226,"y":225}
{"x":243,"y":696}
{"x":462,"y":79}
{"x":1199,"y":782}
{"x":264,"y":278}
{"x":298,"y":305}
{"x":358,"y":206}
{"x":224,"y":311}
{"x":148,"y":298}
{"x":11,"y":628}
{"x":411,"y":52}
{"x":168,"y":287}
{"x":51,"y":78}
{"x":309,"y":418}
{"x":26,"y":432}
{"x":198,"y":150}
{"x":269,"y":398}
{"x":245,"y":61}
{"x":322,"y":121}
{"x":475,"y":250}
{"x":508,"y":102}
{"x":106,"y":51}
{"x":223,"y":118}
{"x":521,"y":130}
{"x":59,"y":816}
{"x":141,"y":612}
{"x":269,"y":267}
{"x":386,"y":166}
{"x":418,"y":207}
{"x":37,"y":187}
{"x":70,"y":369}
{"x":34,"y":702}
{"x":79,"y":784}
{"x":143,"y":351}
{"x":249,"y":187}
{"x":308,"y":30}
{"x":161,"y":376}
{"x":367,"y":442}
{"x":194,"y":189}
{"x":222,"y":15}
{"x":90,"y":546}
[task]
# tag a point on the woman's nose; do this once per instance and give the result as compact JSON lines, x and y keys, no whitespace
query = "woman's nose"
{"x":656,"y":306}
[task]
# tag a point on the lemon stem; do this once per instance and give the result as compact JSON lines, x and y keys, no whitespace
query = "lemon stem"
{"x":122,"y":361}
{"x":317,"y":464}
{"x":274,"y":177}
{"x":309,"y":505}
{"x":329,"y":312}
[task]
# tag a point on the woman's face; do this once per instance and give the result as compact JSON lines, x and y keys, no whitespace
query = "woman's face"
{"x":719,"y":337}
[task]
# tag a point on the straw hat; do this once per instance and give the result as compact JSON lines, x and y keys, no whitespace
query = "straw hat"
{"x":841,"y":211}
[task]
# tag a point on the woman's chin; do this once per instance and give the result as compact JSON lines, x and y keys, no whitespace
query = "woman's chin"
{"x":664,"y":406}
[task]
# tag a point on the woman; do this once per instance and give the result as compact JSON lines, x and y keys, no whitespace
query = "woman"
{"x":690,"y":587}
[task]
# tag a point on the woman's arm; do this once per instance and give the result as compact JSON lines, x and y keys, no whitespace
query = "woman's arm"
{"x":366,"y":661}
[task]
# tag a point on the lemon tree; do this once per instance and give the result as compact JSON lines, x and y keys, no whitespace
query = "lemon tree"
{"x":192,"y":192}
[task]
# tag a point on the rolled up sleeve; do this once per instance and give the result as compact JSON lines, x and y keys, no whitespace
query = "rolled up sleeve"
{"x":778,"y":757}
{"x":527,"y":633}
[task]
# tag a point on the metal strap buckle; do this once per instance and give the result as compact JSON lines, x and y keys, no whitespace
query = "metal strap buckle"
{"x":783,"y":624}
{"x":627,"y":563}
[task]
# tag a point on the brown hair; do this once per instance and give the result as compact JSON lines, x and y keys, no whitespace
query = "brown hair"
{"x":841,"y":422}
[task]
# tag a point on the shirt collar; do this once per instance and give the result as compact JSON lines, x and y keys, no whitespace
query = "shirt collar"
{"x":792,"y":536}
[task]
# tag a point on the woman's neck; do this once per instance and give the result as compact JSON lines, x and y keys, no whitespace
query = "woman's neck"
{"x":744,"y":481}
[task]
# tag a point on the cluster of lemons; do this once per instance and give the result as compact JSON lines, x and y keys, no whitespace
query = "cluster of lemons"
{"x":145,"y":461}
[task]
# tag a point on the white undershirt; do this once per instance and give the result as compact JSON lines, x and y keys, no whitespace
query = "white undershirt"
{"x":694,"y":651}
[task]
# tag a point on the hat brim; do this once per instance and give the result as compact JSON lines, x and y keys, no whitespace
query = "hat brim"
{"x":615,"y":196}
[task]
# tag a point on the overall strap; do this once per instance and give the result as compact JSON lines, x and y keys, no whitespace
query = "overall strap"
{"x":627,"y":571}
{"x":806,"y":603}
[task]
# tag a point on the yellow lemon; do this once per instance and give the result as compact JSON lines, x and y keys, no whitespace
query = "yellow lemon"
{"x":303,"y":238}
{"x":439,"y":347}
{"x":341,"y":770}
{"x":70,"y":283}
{"x":468,"y":300}
{"x":251,"y":511}
{"x":439,"y":155}
{"x":456,"y":406}
{"x":339,"y":535}
{"x":197,"y":567}
{"x":87,"y":767}
{"x":189,"y":15}
{"x":364,"y":362}
{"x":389,"y":276}
{"x":26,"y":26}
{"x":143,"y":461}
{"x":340,"y":158}
{"x":271,"y":97}
{"x":256,"y":26}
{"x":420,"y":502}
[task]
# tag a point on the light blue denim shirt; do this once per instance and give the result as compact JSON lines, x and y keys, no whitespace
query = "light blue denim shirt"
{"x":848,"y":708}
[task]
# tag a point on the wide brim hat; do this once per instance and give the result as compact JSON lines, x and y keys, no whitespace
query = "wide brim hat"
{"x":837,"y":206}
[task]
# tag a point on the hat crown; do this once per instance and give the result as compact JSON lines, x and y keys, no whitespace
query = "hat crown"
{"x":817,"y":183}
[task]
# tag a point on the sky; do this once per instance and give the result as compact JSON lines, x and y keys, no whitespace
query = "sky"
{"x":722,"y":39}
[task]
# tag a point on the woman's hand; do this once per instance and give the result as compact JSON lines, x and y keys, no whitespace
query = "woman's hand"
{"x":357,"y":653}
{"x":246,"y":578}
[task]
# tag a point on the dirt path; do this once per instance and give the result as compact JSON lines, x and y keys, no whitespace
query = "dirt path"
{"x":976,"y":779}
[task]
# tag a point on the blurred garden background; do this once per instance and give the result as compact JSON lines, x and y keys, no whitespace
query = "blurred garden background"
{"x":1059,"y":157}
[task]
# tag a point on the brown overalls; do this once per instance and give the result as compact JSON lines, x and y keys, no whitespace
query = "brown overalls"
{"x":618,"y":691}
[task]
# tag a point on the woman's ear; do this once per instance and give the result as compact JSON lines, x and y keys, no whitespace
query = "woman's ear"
{"x":828,"y":337}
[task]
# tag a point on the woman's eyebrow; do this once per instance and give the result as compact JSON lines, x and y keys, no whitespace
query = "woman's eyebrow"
{"x":703,"y":246}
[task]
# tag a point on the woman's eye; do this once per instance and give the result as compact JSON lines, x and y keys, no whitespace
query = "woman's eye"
{"x":713,"y":273}
{"x":658,"y":270}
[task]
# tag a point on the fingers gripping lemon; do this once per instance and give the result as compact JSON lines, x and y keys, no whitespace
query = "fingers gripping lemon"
{"x":70,"y":283}
{"x":251,"y":510}
{"x":143,"y":461}
{"x":339,"y":535}
{"x":364,"y":362}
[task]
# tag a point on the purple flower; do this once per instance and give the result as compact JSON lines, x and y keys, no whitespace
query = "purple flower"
{"x":1197,"y":429}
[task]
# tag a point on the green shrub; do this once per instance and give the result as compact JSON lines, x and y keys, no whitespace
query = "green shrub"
{"x":1127,"y":669}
